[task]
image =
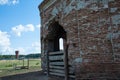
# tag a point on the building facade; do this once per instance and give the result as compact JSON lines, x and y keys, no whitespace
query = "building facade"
{"x":90,"y":30}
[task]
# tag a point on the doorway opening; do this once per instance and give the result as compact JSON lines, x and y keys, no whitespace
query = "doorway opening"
{"x":61,"y":45}
{"x":56,"y":37}
{"x":57,"y":51}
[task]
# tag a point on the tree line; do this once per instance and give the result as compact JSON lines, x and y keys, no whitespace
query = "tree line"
{"x":38,"y":55}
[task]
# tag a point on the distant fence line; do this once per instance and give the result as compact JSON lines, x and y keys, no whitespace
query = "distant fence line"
{"x":10,"y":57}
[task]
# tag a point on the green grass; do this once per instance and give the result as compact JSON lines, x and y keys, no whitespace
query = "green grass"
{"x":6,"y":66}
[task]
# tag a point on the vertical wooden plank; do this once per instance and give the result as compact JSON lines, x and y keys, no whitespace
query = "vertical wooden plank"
{"x":47,"y":56}
{"x":66,"y":62}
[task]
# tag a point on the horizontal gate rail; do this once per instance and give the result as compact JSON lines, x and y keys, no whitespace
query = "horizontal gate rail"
{"x":57,"y":65}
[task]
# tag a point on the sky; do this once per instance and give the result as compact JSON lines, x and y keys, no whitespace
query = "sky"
{"x":19,"y":26}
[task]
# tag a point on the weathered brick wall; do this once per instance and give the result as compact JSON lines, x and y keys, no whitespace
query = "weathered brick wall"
{"x":99,"y":34}
{"x":93,"y":35}
{"x":98,"y":71}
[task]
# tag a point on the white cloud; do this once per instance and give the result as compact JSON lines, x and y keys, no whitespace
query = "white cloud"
{"x":29,"y":27}
{"x":3,"y":2}
{"x":38,"y":26}
{"x":5,"y":45}
{"x":21,"y":28}
{"x":15,"y":1}
{"x":36,"y":46}
{"x":4,"y":42}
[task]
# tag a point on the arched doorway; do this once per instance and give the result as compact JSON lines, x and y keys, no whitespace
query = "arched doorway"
{"x":57,"y":58}
{"x":56,"y":32}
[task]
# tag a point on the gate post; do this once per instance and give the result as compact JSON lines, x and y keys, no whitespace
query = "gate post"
{"x":47,"y":57}
{"x":66,"y":63}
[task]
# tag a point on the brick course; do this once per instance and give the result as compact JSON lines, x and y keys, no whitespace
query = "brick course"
{"x":93,"y":35}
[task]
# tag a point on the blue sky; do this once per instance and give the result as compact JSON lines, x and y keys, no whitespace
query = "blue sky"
{"x":19,"y":26}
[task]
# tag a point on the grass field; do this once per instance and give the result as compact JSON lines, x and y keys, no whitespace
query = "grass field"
{"x":7,"y":66}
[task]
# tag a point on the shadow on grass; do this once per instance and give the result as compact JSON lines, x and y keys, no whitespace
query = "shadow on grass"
{"x":36,"y":75}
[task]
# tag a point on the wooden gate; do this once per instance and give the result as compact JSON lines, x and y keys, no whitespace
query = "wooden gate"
{"x":56,"y":65}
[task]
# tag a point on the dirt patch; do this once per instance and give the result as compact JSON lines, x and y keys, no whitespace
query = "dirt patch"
{"x":37,"y":75}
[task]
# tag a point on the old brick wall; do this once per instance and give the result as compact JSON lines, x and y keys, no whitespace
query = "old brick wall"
{"x":100,"y":40}
{"x":93,"y":35}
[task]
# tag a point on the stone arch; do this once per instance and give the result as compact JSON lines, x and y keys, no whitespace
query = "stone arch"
{"x":55,"y":32}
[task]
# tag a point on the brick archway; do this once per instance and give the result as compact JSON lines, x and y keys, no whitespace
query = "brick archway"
{"x":55,"y":32}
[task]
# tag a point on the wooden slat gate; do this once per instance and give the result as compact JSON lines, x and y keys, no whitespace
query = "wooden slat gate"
{"x":56,"y":65}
